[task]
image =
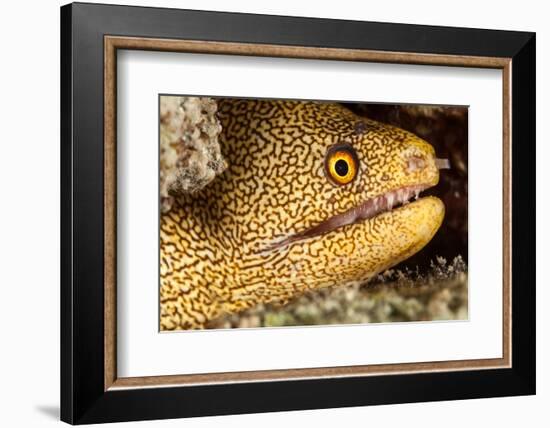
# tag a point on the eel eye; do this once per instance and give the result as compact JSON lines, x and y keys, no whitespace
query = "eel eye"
{"x":341,"y":164}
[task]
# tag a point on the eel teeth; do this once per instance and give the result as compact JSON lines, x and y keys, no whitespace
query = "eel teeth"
{"x":367,"y":210}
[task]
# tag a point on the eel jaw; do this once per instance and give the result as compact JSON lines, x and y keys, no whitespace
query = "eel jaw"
{"x":364,"y":211}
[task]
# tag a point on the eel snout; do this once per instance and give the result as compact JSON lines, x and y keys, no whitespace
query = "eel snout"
{"x":373,"y":206}
{"x":364,"y":211}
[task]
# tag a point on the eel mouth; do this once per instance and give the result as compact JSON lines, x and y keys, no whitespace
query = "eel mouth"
{"x":365,"y":211}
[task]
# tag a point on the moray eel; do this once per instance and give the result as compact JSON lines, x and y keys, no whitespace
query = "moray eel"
{"x":314,"y":196}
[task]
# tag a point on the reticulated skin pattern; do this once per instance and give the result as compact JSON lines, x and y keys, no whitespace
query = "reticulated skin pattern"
{"x":217,"y":252}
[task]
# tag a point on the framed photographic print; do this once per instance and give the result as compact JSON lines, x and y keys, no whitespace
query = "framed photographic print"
{"x":265,"y":213}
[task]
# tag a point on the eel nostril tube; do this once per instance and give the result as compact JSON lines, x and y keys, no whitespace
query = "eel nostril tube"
{"x":442,"y":163}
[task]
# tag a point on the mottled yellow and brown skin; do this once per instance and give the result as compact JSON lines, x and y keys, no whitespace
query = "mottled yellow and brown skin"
{"x":214,"y":248}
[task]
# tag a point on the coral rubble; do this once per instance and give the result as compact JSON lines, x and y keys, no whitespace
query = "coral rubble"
{"x":190,"y":155}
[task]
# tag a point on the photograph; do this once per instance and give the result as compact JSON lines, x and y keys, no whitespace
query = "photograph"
{"x":280,"y":212}
{"x":263,"y":211}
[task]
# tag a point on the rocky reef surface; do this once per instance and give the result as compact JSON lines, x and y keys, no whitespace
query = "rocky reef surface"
{"x":190,"y":155}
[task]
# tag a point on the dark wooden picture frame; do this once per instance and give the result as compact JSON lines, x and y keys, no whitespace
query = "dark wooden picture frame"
{"x":90,"y":389}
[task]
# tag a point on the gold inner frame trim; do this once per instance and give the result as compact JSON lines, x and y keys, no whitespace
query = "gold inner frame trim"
{"x":113,"y":43}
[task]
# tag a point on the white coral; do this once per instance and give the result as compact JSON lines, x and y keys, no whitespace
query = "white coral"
{"x":190,"y":155}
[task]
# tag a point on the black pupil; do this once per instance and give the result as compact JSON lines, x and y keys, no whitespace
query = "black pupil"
{"x":341,"y":167}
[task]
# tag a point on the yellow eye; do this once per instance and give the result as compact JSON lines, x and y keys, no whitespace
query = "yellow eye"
{"x":341,"y":164}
